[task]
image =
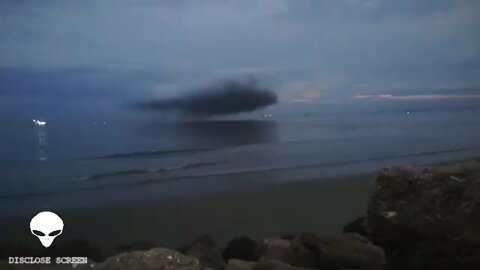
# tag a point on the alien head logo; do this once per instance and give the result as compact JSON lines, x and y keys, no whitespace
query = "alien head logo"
{"x":46,"y":226}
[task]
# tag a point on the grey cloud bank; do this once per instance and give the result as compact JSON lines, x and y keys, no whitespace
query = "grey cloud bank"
{"x":228,"y":97}
{"x":322,"y":48}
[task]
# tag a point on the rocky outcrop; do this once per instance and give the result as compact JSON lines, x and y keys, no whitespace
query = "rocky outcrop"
{"x":312,"y":250}
{"x":427,"y":218}
{"x":154,"y":259}
{"x":241,"y":248}
{"x":4,"y":265}
{"x":276,"y":265}
{"x":273,"y":249}
{"x":356,"y":226}
{"x":267,"y":265}
{"x":309,"y":250}
{"x":235,"y":264}
{"x":207,"y":252}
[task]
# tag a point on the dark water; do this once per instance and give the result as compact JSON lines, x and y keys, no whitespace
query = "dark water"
{"x":96,"y":150}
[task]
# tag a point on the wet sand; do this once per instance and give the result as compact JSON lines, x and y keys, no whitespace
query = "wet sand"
{"x":325,"y":205}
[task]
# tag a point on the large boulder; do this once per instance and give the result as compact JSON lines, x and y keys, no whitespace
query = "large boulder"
{"x":275,"y":265}
{"x":428,"y":218}
{"x":5,"y":265}
{"x":234,"y":264}
{"x":241,"y":248}
{"x":356,"y":226}
{"x":207,"y":252}
{"x":154,"y":259}
{"x":273,"y":249}
{"x":350,"y":250}
{"x":301,"y":255}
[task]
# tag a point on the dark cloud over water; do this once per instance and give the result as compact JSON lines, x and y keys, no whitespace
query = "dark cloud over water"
{"x":227,"y":97}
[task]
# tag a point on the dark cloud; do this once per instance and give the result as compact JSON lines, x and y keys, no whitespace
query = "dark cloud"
{"x":228,"y":97}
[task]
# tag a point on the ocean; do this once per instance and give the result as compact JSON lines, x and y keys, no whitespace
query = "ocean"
{"x":97,"y":151}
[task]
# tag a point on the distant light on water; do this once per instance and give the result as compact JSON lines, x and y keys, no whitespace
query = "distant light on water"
{"x":42,"y":139}
{"x":39,"y":123}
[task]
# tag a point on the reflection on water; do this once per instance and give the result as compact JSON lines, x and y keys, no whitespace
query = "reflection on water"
{"x":213,"y":133}
{"x":42,"y":143}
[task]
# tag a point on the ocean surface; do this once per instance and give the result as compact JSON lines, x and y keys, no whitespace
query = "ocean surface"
{"x":96,"y":150}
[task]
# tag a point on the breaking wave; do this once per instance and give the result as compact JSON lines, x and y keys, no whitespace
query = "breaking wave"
{"x":154,"y":180}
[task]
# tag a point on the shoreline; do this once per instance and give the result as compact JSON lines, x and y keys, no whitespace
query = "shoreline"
{"x":136,"y":189}
{"x":325,"y":204}
{"x":363,"y":220}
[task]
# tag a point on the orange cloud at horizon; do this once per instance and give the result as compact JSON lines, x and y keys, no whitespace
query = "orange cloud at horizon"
{"x":418,"y":97}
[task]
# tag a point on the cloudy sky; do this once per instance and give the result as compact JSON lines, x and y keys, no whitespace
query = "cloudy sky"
{"x":307,"y":49}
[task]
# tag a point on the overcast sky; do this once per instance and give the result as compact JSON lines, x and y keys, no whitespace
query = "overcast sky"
{"x":306,"y":48}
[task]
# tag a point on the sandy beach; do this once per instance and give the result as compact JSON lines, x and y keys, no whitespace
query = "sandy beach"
{"x":325,"y":205}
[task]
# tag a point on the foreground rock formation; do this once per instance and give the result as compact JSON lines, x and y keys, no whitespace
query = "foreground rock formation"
{"x":207,"y":252}
{"x":308,"y":250}
{"x":269,"y":265}
{"x":334,"y":252}
{"x":427,"y":218}
{"x":154,"y":259}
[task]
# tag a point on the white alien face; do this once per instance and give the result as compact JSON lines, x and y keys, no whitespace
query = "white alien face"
{"x":46,"y":226}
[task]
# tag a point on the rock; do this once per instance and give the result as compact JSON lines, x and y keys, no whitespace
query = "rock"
{"x":273,"y":249}
{"x":241,"y":248}
{"x":356,"y":226}
{"x":357,"y":237}
{"x":154,"y":259}
{"x":235,"y":264}
{"x":299,"y":255}
{"x":275,"y":265}
{"x":4,"y":265}
{"x":335,"y":252}
{"x":207,"y":252}
{"x":267,"y":265}
{"x":428,"y":218}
